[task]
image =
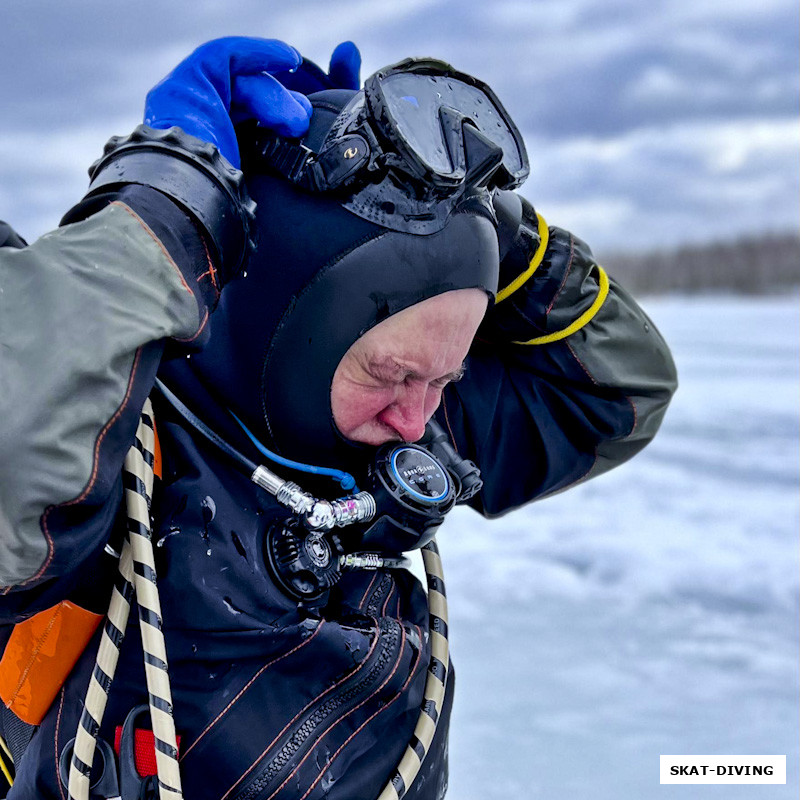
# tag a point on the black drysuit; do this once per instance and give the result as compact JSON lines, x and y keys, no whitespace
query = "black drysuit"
{"x":566,"y":379}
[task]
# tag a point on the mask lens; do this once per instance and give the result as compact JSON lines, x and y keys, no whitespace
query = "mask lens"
{"x":414,"y":100}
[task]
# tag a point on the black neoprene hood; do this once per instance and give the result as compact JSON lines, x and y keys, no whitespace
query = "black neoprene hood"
{"x":320,"y":278}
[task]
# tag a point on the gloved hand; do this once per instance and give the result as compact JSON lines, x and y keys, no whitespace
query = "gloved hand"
{"x":519,"y":237}
{"x":223,"y":82}
{"x":519,"y":234}
{"x":226,"y":81}
{"x":343,"y":73}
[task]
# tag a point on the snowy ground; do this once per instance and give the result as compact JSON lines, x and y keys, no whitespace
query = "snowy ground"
{"x":654,"y":610}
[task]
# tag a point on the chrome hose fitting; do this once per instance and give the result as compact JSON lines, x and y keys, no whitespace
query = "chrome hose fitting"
{"x":359,"y":507}
{"x":325,"y":515}
{"x":372,"y":561}
{"x":285,"y":492}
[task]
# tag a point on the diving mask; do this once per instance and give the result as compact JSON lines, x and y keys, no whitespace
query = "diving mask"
{"x":407,"y":148}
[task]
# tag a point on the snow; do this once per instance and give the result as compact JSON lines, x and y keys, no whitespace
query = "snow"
{"x":653,"y":610}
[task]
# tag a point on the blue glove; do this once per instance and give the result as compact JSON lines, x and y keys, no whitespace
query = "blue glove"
{"x":226,"y":81}
{"x":309,"y":78}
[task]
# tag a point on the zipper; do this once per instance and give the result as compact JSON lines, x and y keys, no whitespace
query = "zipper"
{"x":379,"y":595}
{"x":269,"y":773}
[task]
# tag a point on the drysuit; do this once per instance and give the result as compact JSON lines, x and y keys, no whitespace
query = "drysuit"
{"x":566,"y":379}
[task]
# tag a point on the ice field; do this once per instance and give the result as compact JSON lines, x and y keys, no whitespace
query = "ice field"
{"x":654,"y":610}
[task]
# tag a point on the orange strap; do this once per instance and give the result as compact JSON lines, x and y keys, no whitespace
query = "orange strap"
{"x":39,"y":656}
{"x":42,"y":651}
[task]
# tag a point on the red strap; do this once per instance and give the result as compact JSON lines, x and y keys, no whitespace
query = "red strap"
{"x":144,"y":750}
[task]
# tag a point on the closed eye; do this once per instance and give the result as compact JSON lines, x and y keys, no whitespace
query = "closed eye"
{"x":392,"y":372}
{"x":453,"y":377}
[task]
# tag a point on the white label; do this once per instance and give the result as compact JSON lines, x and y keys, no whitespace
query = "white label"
{"x":723,"y":769}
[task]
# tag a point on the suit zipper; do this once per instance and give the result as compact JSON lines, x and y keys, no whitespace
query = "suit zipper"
{"x":379,"y":595}
{"x":270,"y":772}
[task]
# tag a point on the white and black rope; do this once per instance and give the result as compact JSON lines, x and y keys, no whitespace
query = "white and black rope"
{"x":137,"y":574}
{"x":138,"y":495}
{"x":433,"y":698}
{"x":102,"y":675}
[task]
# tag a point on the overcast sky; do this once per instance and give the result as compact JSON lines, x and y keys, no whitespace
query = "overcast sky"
{"x":647,"y":123}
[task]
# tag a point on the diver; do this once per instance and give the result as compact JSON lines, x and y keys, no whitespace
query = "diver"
{"x":320,"y":315}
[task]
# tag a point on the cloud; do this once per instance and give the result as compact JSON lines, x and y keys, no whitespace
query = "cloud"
{"x":691,"y":182}
{"x":645,"y":121}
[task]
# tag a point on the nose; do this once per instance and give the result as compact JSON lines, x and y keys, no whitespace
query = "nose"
{"x":409,"y":413}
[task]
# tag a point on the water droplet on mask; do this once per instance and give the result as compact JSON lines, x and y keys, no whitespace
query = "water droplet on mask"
{"x":327,"y":781}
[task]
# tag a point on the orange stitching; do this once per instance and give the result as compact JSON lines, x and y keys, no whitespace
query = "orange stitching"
{"x":246,"y":687}
{"x":388,"y":597}
{"x":364,"y":596}
{"x":210,"y":266}
{"x":596,"y":447}
{"x":171,"y":261}
{"x":581,"y":364}
{"x":197,"y":333}
{"x":302,"y":710}
{"x":635,"y":415}
{"x":591,"y":378}
{"x":92,"y":478}
{"x":156,"y":240}
{"x":39,"y":644}
{"x":341,"y":719}
{"x":372,"y":716}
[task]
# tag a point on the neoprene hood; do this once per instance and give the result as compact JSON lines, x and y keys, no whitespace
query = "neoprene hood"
{"x":321,"y":277}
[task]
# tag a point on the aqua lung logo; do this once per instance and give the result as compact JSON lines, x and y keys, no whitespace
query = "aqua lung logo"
{"x":421,"y":474}
{"x":351,"y":152}
{"x":420,"y":470}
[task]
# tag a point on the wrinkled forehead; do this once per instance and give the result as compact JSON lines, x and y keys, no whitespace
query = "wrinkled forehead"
{"x":428,"y":340}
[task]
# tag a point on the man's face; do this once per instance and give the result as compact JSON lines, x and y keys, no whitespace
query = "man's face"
{"x":390,"y":381}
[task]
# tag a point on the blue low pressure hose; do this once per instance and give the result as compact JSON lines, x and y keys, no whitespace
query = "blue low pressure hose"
{"x":345,"y":479}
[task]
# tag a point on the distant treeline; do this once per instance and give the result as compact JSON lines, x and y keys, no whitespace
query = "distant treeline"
{"x":752,"y":265}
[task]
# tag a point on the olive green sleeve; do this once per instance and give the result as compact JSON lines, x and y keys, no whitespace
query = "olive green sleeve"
{"x":78,"y":309}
